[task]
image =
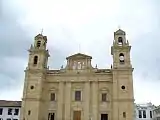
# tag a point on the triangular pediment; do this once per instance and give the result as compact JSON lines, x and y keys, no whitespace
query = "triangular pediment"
{"x":79,"y":56}
{"x":39,"y":35}
{"x":119,"y":32}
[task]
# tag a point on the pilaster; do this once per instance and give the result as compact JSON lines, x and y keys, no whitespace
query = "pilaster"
{"x":60,"y":101}
{"x":87,"y":101}
{"x":94,"y":101}
{"x":68,"y":101}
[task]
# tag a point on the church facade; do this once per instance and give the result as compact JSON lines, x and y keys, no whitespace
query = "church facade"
{"x":78,"y":91}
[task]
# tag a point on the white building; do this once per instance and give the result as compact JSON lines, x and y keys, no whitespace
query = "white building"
{"x":10,"y":110}
{"x":144,"y":111}
{"x":156,"y":113}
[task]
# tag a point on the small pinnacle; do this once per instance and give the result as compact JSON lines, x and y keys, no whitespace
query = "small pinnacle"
{"x":42,"y":31}
{"x":119,"y":27}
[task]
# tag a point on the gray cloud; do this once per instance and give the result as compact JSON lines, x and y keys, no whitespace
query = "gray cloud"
{"x":146,"y":55}
{"x":14,"y":43}
{"x":15,"y":40}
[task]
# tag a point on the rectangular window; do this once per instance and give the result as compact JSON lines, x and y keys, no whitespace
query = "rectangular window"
{"x":1,"y":111}
{"x":8,"y":118}
{"x":77,"y":95}
{"x":104,"y":97}
{"x":29,"y":112}
{"x":52,"y":97}
{"x":150,"y":114}
{"x":104,"y":116}
{"x":16,"y":112}
{"x":15,"y":119}
{"x":124,"y":114}
{"x":9,"y":111}
{"x":144,"y":114}
{"x":140,"y":114}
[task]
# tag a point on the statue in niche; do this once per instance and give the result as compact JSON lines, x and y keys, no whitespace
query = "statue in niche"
{"x":79,"y":65}
{"x":74,"y":65}
{"x":83,"y":65}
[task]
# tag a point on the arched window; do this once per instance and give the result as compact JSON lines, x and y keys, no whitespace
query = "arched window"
{"x":120,"y":40}
{"x":38,"y":43}
{"x":121,"y":58}
{"x":35,"y":60}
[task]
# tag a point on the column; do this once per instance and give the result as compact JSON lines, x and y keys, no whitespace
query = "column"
{"x":68,"y":101}
{"x":95,"y":110}
{"x":87,"y":101}
{"x":60,"y":101}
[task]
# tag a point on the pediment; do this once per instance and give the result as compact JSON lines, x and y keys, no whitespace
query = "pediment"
{"x":119,"y":32}
{"x":79,"y":56}
{"x":40,"y":36}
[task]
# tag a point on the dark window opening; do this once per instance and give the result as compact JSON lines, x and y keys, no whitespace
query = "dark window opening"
{"x":140,"y":114}
{"x":104,"y":116}
{"x":38,"y":43}
{"x":35,"y":60}
{"x":124,"y":114}
{"x":104,"y":96}
{"x":15,"y":119}
{"x":51,"y":116}
{"x":8,"y":118}
{"x":10,"y":111}
{"x":120,"y":41}
{"x":144,"y":114}
{"x":121,"y":58}
{"x":29,"y":112}
{"x":1,"y":118}
{"x":77,"y":95}
{"x":52,"y":97}
{"x":16,"y":112}
{"x":150,"y":114}
{"x":1,"y":111}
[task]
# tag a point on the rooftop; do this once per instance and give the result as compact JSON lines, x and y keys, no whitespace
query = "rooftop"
{"x":7,"y":103}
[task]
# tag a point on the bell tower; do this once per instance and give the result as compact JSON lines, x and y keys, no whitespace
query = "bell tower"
{"x":121,"y":50}
{"x":33,"y":92}
{"x":38,"y":56}
{"x":122,"y":90}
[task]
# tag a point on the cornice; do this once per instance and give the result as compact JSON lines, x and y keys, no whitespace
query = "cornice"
{"x":32,"y":99}
{"x":123,"y":69}
{"x":77,"y":81}
{"x":123,"y":100}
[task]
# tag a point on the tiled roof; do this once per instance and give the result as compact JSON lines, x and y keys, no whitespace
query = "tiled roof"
{"x":7,"y":103}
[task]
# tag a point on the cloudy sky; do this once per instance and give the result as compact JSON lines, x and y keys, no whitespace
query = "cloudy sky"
{"x":90,"y":23}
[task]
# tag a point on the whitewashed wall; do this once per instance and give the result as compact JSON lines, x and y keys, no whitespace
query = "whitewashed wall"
{"x":5,"y":115}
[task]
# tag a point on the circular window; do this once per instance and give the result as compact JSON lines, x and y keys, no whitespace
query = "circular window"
{"x":32,"y":87}
{"x":123,"y":87}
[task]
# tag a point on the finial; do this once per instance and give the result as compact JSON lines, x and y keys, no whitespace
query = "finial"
{"x":62,"y":67}
{"x":119,"y":27}
{"x":31,"y":47}
{"x":96,"y":65}
{"x":79,"y":49}
{"x":42,"y":31}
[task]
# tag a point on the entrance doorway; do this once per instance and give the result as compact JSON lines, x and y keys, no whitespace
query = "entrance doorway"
{"x":51,"y":116}
{"x":104,"y":116}
{"x":77,"y":115}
